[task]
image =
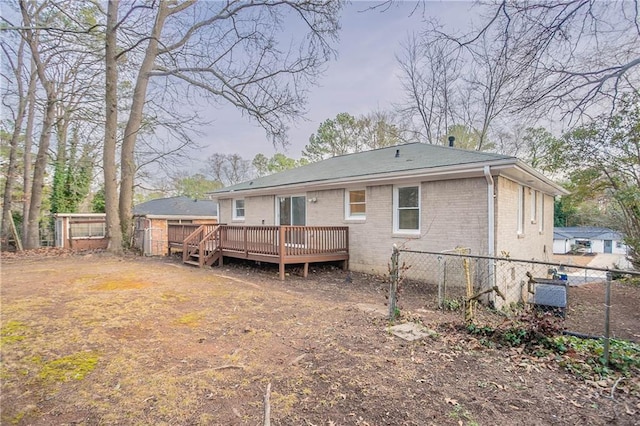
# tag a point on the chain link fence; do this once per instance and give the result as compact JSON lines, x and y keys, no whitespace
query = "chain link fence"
{"x":584,"y":296}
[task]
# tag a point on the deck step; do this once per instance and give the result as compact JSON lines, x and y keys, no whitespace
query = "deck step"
{"x":192,"y":262}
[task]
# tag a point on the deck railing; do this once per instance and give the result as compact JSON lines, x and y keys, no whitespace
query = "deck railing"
{"x":192,"y":243}
{"x":287,"y":241}
{"x":177,"y":232}
{"x":274,"y":244}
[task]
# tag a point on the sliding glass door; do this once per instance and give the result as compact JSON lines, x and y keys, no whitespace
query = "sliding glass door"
{"x":292,"y":211}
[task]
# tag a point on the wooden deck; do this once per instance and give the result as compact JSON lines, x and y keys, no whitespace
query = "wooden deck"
{"x":177,"y":233}
{"x":283,"y":245}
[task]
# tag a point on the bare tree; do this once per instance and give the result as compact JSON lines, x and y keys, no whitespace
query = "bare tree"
{"x":230,"y":52}
{"x":17,"y":70}
{"x":28,"y":143}
{"x":430,"y":71}
{"x":228,"y":169}
{"x":32,"y":36}
{"x":110,"y":170}
{"x":449,"y":86}
{"x":381,"y":129}
{"x":573,"y":56}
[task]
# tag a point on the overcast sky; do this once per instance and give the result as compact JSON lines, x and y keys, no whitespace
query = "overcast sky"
{"x":364,"y":78}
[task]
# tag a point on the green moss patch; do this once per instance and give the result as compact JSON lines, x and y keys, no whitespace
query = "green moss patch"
{"x":191,"y":319}
{"x":123,"y":284}
{"x":12,"y":332}
{"x":71,"y":367}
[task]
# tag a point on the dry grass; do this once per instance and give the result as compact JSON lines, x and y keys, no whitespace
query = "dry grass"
{"x":102,"y":340}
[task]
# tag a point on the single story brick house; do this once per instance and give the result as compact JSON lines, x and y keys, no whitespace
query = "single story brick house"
{"x":161,"y":222}
{"x":417,"y":196}
{"x":587,"y":239}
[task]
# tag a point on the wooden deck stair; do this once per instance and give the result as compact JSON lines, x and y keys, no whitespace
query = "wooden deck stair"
{"x":202,"y":246}
{"x":283,"y":245}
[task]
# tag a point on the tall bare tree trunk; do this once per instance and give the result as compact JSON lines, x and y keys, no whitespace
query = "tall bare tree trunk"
{"x":28,"y":143}
{"x":32,"y":236}
{"x":5,"y":226}
{"x":127,"y":158}
{"x":114,"y":233}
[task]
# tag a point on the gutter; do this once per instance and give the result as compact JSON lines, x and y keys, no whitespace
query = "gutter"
{"x":490,"y":212}
{"x":491,"y":229}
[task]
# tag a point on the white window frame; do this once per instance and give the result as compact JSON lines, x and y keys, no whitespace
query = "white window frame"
{"x":534,"y":205}
{"x":97,"y":230}
{"x":347,"y":205}
{"x":520,"y":211}
{"x":396,"y":210}
{"x":541,"y":214}
{"x":277,"y":207}
{"x":234,"y":209}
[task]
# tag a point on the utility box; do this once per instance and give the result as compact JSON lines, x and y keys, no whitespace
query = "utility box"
{"x":551,"y":295}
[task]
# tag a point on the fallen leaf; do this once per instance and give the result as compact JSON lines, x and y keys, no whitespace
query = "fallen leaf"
{"x":575,"y":404}
{"x":451,"y":401}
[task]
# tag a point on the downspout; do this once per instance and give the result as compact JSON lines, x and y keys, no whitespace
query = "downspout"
{"x":491,"y":231}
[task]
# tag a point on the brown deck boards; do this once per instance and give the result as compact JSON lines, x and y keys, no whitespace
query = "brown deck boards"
{"x":267,"y":244}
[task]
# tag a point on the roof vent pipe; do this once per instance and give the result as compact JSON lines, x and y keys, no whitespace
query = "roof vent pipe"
{"x":397,"y":153}
{"x":452,"y":139}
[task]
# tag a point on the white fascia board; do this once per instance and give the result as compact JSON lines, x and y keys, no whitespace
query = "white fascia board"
{"x":528,"y":176}
{"x":96,"y":215}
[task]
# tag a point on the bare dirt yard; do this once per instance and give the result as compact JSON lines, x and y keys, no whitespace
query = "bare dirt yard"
{"x":102,"y":340}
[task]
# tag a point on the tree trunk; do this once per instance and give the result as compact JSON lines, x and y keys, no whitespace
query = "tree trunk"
{"x":114,"y":233}
{"x":58,"y":198}
{"x":127,"y":159}
{"x":28,"y":143}
{"x":32,"y":236}
{"x":5,"y":225}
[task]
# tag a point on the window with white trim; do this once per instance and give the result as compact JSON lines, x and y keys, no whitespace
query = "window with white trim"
{"x":238,"y":209}
{"x":87,"y":229}
{"x":355,"y":204}
{"x":541,"y":215}
{"x":534,"y":206}
{"x":520,"y":213}
{"x":406,"y":209}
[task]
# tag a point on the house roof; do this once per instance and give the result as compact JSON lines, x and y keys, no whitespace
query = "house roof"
{"x":585,"y":233}
{"x":396,"y":162}
{"x":177,"y":207}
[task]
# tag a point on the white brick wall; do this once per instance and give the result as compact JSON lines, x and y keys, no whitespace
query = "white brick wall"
{"x":532,"y":244}
{"x":453,"y":214}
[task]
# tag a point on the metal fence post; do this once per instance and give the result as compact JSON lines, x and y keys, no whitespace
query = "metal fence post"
{"x":393,"y":286}
{"x":607,"y":309}
{"x":440,"y":282}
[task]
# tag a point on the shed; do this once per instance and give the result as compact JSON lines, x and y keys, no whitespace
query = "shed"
{"x":162,"y":222}
{"x":80,"y":231}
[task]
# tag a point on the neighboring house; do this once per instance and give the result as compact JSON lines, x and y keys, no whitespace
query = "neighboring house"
{"x":80,"y":231}
{"x":587,"y":239}
{"x":417,"y":196}
{"x":163,"y":223}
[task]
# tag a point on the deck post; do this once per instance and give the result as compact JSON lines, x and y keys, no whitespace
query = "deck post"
{"x":305,"y":271}
{"x":246,"y":243}
{"x":281,"y":251}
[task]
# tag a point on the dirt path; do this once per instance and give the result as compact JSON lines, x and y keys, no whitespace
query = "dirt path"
{"x":103,"y":340}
